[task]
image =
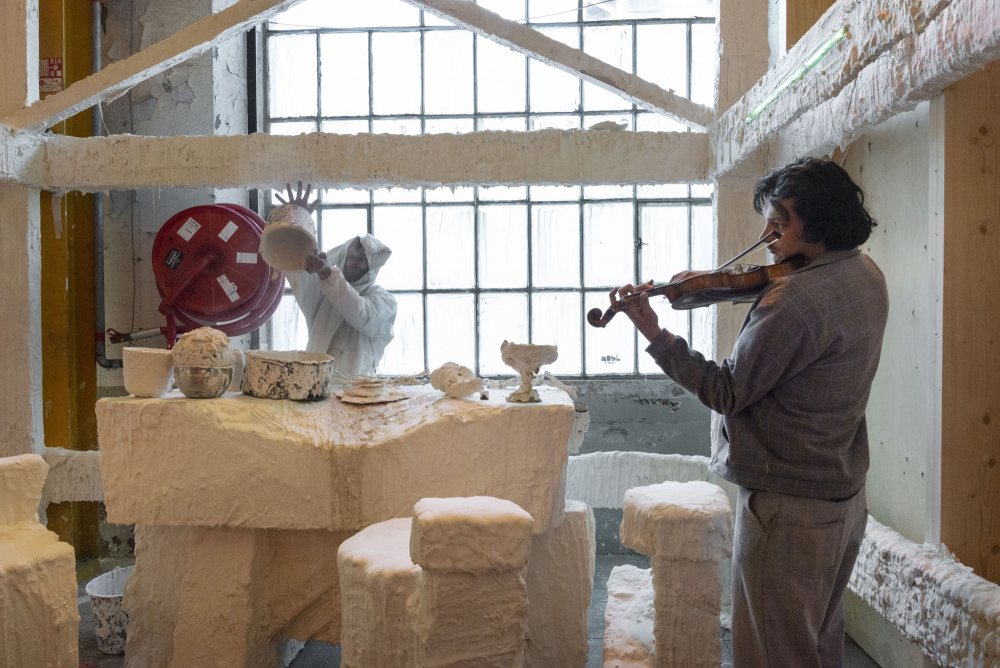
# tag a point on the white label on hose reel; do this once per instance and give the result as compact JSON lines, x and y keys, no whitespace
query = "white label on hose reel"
{"x":188,"y":229}
{"x":246,"y":258}
{"x":228,"y":287}
{"x":228,"y":230}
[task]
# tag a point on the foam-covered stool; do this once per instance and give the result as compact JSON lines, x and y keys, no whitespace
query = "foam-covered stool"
{"x":39,"y":620}
{"x":376,"y":579}
{"x":560,"y":579}
{"x":685,"y":529}
{"x":471,"y":601}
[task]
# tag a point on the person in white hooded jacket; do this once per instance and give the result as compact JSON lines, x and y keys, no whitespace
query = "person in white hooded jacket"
{"x":349,"y":317}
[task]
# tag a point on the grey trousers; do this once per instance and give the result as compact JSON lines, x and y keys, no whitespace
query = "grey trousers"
{"x":792,"y":558}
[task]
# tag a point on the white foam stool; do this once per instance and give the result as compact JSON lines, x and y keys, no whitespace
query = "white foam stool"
{"x":471,"y":601}
{"x":376,"y":579}
{"x":39,"y":619}
{"x":560,"y":580}
{"x":685,"y":529}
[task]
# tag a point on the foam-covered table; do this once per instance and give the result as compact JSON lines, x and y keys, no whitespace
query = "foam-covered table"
{"x":241,"y":503}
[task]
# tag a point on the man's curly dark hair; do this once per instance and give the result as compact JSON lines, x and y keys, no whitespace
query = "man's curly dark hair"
{"x":830,"y":204}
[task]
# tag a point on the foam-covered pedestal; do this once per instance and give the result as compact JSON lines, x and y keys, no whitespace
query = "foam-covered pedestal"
{"x":471,"y":600}
{"x":39,"y":621}
{"x":685,"y":529}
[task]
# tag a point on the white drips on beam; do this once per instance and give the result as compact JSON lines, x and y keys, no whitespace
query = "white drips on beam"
{"x":544,"y":157}
{"x":117,"y":78}
{"x":534,"y":44}
{"x":848,"y":38}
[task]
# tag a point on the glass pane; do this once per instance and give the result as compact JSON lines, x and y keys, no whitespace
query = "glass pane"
{"x":288,"y":326}
{"x":665,"y":191}
{"x":396,"y":73}
{"x":555,"y":319}
{"x":608,"y":243}
{"x":676,"y":322}
{"x":704,"y":62}
{"x":450,"y":335}
{"x":650,"y":122}
{"x":500,"y":123}
{"x":400,"y":227}
{"x":702,"y":257}
{"x":453,"y":125}
{"x":552,"y":11}
{"x":339,"y":225}
{"x":503,"y":316}
{"x":448,"y":64}
{"x":450,"y":251}
{"x":503,"y":246}
{"x":345,"y":196}
{"x":702,"y":189}
{"x":607,"y":192}
{"x":503,"y":193}
{"x":405,"y":353}
{"x":446,"y":194}
{"x":661,"y":55}
{"x":555,"y":193}
{"x":344,"y":69}
{"x":512,"y":10}
{"x":291,"y":61}
{"x":552,"y":89}
{"x":612,"y":45}
{"x":500,"y":79}
{"x":326,"y":14}
{"x":292,"y":127}
{"x":555,"y":122}
{"x":390,"y":195}
{"x":555,"y":245}
{"x":648,"y":9}
{"x":612,"y":349}
{"x":665,"y":239}
{"x":396,"y":126}
{"x":345,"y":127}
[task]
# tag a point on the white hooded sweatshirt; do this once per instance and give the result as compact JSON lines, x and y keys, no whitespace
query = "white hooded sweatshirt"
{"x":352,"y":322}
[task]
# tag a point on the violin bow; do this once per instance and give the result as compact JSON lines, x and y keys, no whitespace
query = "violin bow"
{"x":597,"y":319}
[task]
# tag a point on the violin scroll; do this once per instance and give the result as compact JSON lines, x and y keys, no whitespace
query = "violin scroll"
{"x":598,"y":319}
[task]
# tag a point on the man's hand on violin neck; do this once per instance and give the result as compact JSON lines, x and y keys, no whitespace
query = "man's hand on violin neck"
{"x":637,"y":308}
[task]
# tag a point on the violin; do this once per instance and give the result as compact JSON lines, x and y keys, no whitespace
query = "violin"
{"x":728,"y":283}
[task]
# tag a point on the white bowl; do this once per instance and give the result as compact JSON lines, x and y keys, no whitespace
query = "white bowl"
{"x":149,"y":372}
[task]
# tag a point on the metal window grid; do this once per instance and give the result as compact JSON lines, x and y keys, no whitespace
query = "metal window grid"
{"x":476,"y":291}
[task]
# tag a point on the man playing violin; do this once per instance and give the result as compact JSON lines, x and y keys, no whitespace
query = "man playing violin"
{"x":792,"y":397}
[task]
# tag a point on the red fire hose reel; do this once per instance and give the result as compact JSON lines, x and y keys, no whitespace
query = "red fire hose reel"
{"x":209,"y":272}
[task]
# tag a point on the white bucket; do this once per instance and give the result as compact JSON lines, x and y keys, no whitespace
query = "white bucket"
{"x":110,"y":620}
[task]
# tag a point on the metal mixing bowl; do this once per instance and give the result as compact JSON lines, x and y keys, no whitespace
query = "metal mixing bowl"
{"x":203,"y":382}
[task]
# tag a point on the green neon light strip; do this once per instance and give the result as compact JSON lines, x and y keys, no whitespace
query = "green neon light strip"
{"x":812,"y":60}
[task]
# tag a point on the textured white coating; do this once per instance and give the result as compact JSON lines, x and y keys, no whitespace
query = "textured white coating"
{"x":474,"y":534}
{"x":39,"y":620}
{"x":678,"y":520}
{"x":628,"y":619}
{"x":935,"y":601}
{"x":149,"y":372}
{"x":289,"y":238}
{"x":288,"y":374}
{"x":204,"y":346}
{"x":455,"y":380}
{"x":376,"y":579}
{"x":73,"y":475}
{"x":543,"y":157}
{"x":560,"y":580}
{"x":241,"y":461}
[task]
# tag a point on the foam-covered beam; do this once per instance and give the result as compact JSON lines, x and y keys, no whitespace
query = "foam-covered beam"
{"x":850,"y":36}
{"x":565,"y":157}
{"x":934,"y":601}
{"x":118,"y":77}
{"x":22,"y":156}
{"x":964,"y":38}
{"x":534,"y":44}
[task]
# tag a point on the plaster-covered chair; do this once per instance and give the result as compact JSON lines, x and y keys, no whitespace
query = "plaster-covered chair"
{"x":668,"y":616}
{"x":39,"y":620}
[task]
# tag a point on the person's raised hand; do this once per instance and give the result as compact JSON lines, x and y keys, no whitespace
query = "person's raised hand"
{"x":638,"y":309}
{"x":300,"y":198}
{"x":316,"y":264}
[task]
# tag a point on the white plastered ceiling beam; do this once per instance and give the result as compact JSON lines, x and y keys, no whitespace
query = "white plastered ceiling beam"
{"x":564,"y":157}
{"x":117,"y":78}
{"x":855,"y":33}
{"x":534,"y":44}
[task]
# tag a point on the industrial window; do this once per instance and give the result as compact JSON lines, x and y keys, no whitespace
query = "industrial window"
{"x":474,"y":266}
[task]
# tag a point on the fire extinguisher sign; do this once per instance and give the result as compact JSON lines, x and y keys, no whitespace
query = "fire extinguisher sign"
{"x":50,"y":75}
